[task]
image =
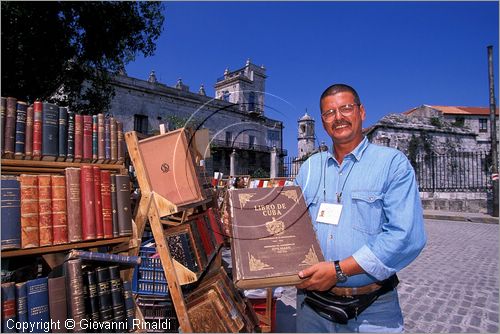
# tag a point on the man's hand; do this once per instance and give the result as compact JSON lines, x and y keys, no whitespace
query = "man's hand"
{"x":319,"y":277}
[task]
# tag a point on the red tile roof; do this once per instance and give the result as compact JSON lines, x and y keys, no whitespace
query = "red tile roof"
{"x":452,"y":110}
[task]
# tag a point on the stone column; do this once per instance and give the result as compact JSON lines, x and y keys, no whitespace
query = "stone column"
{"x":274,"y":163}
{"x":232,"y":163}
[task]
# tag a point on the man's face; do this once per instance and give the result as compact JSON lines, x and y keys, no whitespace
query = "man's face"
{"x":343,"y":129}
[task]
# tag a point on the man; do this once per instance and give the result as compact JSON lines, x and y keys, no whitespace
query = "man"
{"x":371,"y":223}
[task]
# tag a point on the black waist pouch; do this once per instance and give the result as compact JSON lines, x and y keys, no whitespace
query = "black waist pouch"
{"x":340,"y":309}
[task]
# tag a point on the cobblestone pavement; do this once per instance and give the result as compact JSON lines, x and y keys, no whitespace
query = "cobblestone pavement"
{"x":452,"y":287}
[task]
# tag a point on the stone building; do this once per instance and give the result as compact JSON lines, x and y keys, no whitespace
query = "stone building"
{"x":235,"y":117}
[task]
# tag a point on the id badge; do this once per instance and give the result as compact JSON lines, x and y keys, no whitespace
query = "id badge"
{"x":329,"y":213}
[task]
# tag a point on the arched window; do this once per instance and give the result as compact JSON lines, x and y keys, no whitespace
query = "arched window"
{"x":251,"y":101}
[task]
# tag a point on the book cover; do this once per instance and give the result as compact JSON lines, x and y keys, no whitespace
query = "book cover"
{"x":92,"y":301}
{"x":208,"y":246}
{"x":99,"y":227}
{"x":50,"y":131}
{"x":216,"y":225}
{"x":45,"y":210}
{"x":29,"y":211}
{"x":200,"y":254}
{"x":87,"y":202}
{"x":123,"y":205}
{"x":120,"y":139}
{"x":3,"y":114}
{"x":114,"y":207}
{"x":28,"y":142}
{"x":8,"y":307}
{"x":104,"y":294}
{"x":117,"y":294}
{"x":11,"y":212}
{"x":113,"y":140}
{"x":129,"y":304}
{"x":272,"y":236}
{"x":73,"y":204}
{"x":107,"y":207}
{"x":94,"y":138}
{"x":37,"y":130}
{"x":21,"y":113}
{"x":206,"y":315}
{"x":57,"y":302}
{"x":107,"y":140}
{"x":78,"y":137}
{"x":101,"y":140}
{"x":22,"y":305}
{"x":38,"y":303}
{"x":10,"y":128}
{"x":74,"y":292}
{"x":70,"y":156}
{"x":104,"y":257}
{"x":63,"y":134}
{"x":87,"y":138}
{"x":182,"y":247}
{"x":59,"y":210}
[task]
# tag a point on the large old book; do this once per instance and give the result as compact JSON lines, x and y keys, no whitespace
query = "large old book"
{"x":87,"y":138}
{"x":182,"y":246}
{"x":10,"y":128}
{"x":8,"y":307}
{"x":50,"y":131}
{"x":74,"y":292}
{"x":63,"y":134}
{"x":116,"y":294}
{"x":28,"y":142}
{"x":107,"y":206}
{"x":78,"y":137}
{"x":104,"y":294}
{"x":99,"y":227}
{"x":92,"y":301}
{"x":272,"y":236}
{"x":87,"y":202}
{"x":22,"y":305}
{"x":114,"y":207}
{"x":45,"y":210}
{"x":57,"y":302}
{"x":73,"y":204}
{"x":11,"y":213}
{"x":123,"y":205}
{"x":94,"y":138}
{"x":113,"y":140}
{"x":38,"y":303}
{"x":216,"y":225}
{"x":59,"y":210}
{"x":101,"y":144}
{"x":29,"y":211}
{"x":22,"y":109}
{"x":3,"y":114}
{"x":71,"y":136}
{"x":206,"y":314}
{"x":37,"y":130}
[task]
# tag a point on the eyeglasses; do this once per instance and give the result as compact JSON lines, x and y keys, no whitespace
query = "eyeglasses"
{"x":346,"y":110}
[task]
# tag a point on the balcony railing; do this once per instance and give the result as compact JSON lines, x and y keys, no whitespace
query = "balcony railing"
{"x":245,"y":146}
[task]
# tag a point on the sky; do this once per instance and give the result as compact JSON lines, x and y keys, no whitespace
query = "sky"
{"x":397,"y":55}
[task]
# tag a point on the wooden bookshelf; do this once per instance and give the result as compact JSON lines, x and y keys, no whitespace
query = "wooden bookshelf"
{"x":63,"y":247}
{"x":13,"y":166}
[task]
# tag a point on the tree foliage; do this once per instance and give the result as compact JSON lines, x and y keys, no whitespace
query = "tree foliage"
{"x":77,"y":45}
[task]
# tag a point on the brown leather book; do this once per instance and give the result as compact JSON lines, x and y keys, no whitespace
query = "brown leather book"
{"x":73,"y":202}
{"x":123,"y":205}
{"x":78,"y":137}
{"x":94,"y":138}
{"x":21,"y":114}
{"x":114,"y":207}
{"x":99,"y":227}
{"x":57,"y":302}
{"x":3,"y":113}
{"x":100,"y":139}
{"x":87,"y":138}
{"x":207,"y":315}
{"x":120,"y":142}
{"x":28,"y":143}
{"x":37,"y":130}
{"x":10,"y":128}
{"x":45,"y":210}
{"x":107,"y":207}
{"x":74,"y":289}
{"x":87,"y":202}
{"x":59,"y":210}
{"x":29,"y":211}
{"x":272,"y":236}
{"x":114,"y":140}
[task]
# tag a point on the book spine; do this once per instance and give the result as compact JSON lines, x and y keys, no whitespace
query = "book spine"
{"x":73,"y":202}
{"x":95,"y":142}
{"x":45,"y":210}
{"x":93,"y":298}
{"x":38,"y":303}
{"x":3,"y":114}
{"x":63,"y":134}
{"x":87,"y":138}
{"x":50,"y":131}
{"x":22,"y":109}
{"x":129,"y":304}
{"x":216,"y":225}
{"x":59,"y":210}
{"x":123,"y":205}
{"x":22,"y":306}
{"x":104,"y":293}
{"x":87,"y":202}
{"x":37,"y":130}
{"x":113,"y":140}
{"x":28,"y":145}
{"x":70,"y":156}
{"x":182,"y":250}
{"x":107,"y":140}
{"x":107,"y":207}
{"x":101,"y":139}
{"x":11,"y":213}
{"x":200,"y":254}
{"x":78,"y":138}
{"x":8,"y":307}
{"x":57,"y":302}
{"x":29,"y":211}
{"x":120,"y":142}
{"x":10,"y":128}
{"x":74,"y":290}
{"x":208,"y":247}
{"x":114,"y":207}
{"x":99,"y":227}
{"x":104,"y":257}
{"x":116,"y":294}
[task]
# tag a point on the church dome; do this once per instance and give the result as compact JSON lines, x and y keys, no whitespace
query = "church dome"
{"x":306,"y":117}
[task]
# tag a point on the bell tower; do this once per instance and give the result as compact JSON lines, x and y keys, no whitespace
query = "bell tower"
{"x":306,"y":136}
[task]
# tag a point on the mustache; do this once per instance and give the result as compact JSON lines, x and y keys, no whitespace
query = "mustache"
{"x":341,"y":122}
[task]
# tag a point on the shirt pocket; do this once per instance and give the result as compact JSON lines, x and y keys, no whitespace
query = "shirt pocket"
{"x":367,"y":211}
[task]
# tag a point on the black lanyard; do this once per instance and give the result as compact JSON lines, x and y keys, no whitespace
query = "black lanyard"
{"x":339,"y":195}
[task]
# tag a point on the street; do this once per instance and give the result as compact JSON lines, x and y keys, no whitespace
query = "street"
{"x":451,"y":287}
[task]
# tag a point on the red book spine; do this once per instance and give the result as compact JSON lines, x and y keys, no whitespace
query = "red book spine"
{"x":107,"y":208}
{"x":73,"y":204}
{"x":216,"y":226}
{"x":59,"y":218}
{"x":45,"y":210}
{"x":87,"y":138}
{"x":88,"y":202}
{"x":78,"y":137}
{"x":37,"y":130}
{"x":28,"y":141}
{"x":205,"y":238}
{"x":29,"y":211}
{"x":99,"y":227}
{"x":10,"y":128}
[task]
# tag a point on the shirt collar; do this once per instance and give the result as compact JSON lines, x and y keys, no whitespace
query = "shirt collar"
{"x":358,"y":151}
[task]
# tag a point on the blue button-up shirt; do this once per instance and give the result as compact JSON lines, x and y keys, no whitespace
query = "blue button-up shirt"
{"x":381,"y":224}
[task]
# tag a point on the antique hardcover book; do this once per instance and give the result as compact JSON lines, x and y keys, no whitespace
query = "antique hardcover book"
{"x":57,"y":302}
{"x":181,"y":244}
{"x":107,"y":207}
{"x":104,"y":294}
{"x":22,"y":304}
{"x":87,"y":202}
{"x":272,"y":236}
{"x":104,"y":257}
{"x":200,"y":253}
{"x":45,"y":210}
{"x":123,"y":205}
{"x":22,"y":109}
{"x":50,"y":131}
{"x":3,"y":114}
{"x":8,"y":306}
{"x":107,"y":140}
{"x":120,"y":142}
{"x":78,"y":137}
{"x":206,"y":314}
{"x":216,"y":225}
{"x":208,"y":246}
{"x":37,"y":130}
{"x":99,"y":227}
{"x":28,"y":141}
{"x":87,"y":138}
{"x":29,"y":211}
{"x":11,"y":213}
{"x":113,"y":140}
{"x":63,"y":134}
{"x":10,"y":128}
{"x":116,"y":294}
{"x":94,"y":138}
{"x":92,"y":300}
{"x":74,"y":289}
{"x":101,"y":154}
{"x":59,"y":210}
{"x":114,"y":206}
{"x":129,"y":304}
{"x":71,"y":136}
{"x":73,"y":204}
{"x":38,"y":303}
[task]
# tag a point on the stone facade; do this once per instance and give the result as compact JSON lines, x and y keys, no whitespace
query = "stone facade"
{"x":306,"y":136}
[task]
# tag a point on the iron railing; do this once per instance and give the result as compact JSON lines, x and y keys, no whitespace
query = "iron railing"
{"x":244,"y":146}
